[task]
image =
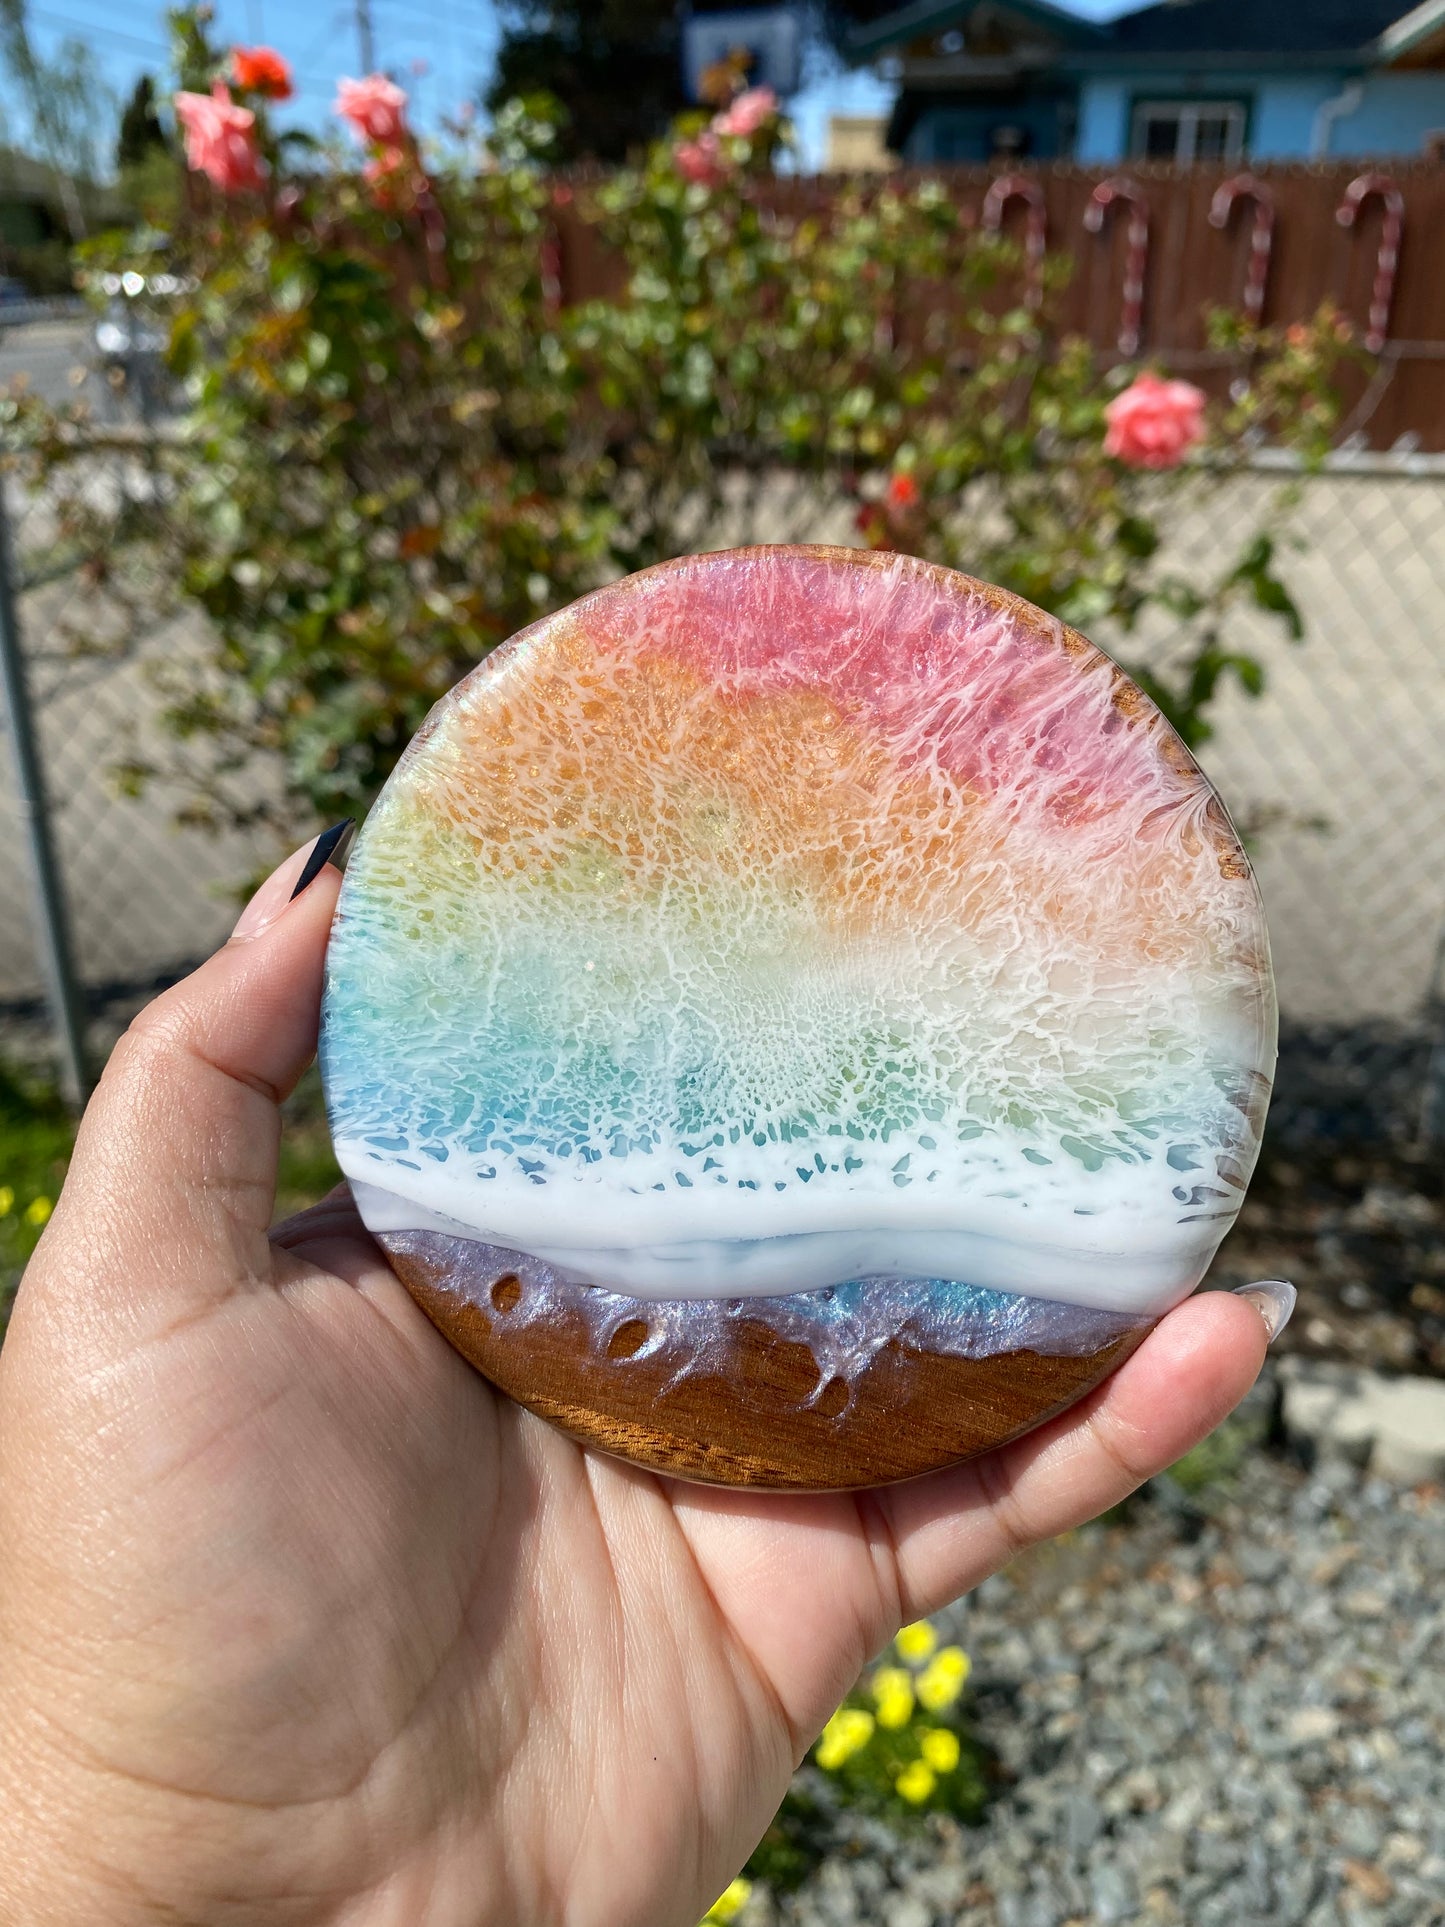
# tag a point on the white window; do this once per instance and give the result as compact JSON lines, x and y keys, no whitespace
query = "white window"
{"x":1188,"y":130}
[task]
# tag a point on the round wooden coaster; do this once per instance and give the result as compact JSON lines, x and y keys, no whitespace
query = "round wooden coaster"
{"x":789,"y":1393}
{"x":797,"y":1017}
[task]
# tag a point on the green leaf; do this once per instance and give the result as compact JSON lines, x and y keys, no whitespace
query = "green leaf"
{"x":1137,"y":536}
{"x":1257,"y":556}
{"x":1271,"y":594}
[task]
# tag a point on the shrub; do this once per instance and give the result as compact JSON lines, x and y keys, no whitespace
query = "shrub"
{"x":35,"y":1139}
{"x":897,"y":1745}
{"x":898,"y":1750}
{"x":395,"y":448}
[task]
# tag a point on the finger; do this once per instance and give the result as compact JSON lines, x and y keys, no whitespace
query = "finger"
{"x":328,"y":1242}
{"x":953,"y":1529}
{"x":172,"y":1185}
{"x":329,"y":1237}
{"x":334,"y":1216}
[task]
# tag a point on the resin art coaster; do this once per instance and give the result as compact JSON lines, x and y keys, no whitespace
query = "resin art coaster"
{"x":797,"y":1018}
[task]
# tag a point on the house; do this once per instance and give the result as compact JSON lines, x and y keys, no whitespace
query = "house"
{"x":858,"y":144}
{"x":34,"y":202}
{"x":1188,"y":80}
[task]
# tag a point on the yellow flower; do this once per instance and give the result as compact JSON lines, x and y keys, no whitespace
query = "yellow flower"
{"x":729,"y":1905}
{"x":941,"y":1681}
{"x":916,"y":1782}
{"x":7,"y":1199}
{"x":849,"y":1730}
{"x":38,"y":1210}
{"x":892,"y":1691}
{"x":916,"y":1642}
{"x":940,"y":1749}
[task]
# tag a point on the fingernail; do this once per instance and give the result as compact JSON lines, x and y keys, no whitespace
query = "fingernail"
{"x":329,"y":847}
{"x":290,"y":878}
{"x":1274,"y":1300}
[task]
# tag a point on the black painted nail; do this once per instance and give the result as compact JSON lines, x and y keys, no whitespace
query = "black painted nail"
{"x":330,"y":847}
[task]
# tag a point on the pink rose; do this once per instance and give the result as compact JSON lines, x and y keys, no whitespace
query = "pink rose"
{"x":220,"y":139}
{"x":748,"y":112}
{"x":1154,"y":423}
{"x":375,"y":107}
{"x":700,"y":161}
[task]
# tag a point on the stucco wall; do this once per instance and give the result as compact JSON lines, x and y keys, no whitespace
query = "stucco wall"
{"x":1395,"y":113}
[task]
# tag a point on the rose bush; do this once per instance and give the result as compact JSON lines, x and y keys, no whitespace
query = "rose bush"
{"x":396,"y":446}
{"x":220,"y":139}
{"x":375,"y":107}
{"x":1154,"y":423}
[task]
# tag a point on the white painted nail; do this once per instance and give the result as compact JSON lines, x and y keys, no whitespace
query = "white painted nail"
{"x":1274,"y":1300}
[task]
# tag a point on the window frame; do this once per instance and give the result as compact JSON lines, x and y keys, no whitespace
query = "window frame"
{"x":1190,"y":108}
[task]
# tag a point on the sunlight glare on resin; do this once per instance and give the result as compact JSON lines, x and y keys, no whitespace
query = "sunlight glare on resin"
{"x":792,"y":921}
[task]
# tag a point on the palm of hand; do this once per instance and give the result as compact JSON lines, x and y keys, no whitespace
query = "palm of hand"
{"x":305,"y":1623}
{"x":412,"y":1642}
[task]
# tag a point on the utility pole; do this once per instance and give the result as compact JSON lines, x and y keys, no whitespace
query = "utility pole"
{"x":365,"y":37}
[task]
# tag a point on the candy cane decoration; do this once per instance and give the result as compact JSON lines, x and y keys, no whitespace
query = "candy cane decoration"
{"x":1106,"y":195}
{"x":1245,"y":187}
{"x":551,"y":270}
{"x":1387,"y":261}
{"x":1018,"y":187}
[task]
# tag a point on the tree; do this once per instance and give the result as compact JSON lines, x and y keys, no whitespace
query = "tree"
{"x":65,"y":101}
{"x":615,"y":65}
{"x":141,"y":134}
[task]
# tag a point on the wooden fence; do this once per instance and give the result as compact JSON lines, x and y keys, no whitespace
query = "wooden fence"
{"x":1155,"y":248}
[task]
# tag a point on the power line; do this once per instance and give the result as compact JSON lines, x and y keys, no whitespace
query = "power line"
{"x":145,"y":45}
{"x":424,"y":17}
{"x":438,"y":13}
{"x":327,"y":33}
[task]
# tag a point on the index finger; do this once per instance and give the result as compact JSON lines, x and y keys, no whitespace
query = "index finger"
{"x":951,"y":1530}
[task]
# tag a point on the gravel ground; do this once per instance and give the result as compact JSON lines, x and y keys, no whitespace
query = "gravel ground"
{"x":1222,"y":1709}
{"x":1348,"y":1202}
{"x":1361,"y":1233}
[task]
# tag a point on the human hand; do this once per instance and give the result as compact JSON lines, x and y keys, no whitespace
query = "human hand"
{"x":300,"y":1621}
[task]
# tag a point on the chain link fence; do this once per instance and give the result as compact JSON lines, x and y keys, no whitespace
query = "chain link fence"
{"x":1336,"y":775}
{"x":144,"y":896}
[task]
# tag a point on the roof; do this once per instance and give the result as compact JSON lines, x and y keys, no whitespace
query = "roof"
{"x":1246,"y":27}
{"x":931,"y":16}
{"x":1233,"y":30}
{"x":1416,"y":35}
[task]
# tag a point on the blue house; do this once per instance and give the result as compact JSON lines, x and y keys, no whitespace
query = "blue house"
{"x":1188,"y":80}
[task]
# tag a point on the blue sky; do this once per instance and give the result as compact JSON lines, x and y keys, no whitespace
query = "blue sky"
{"x":452,"y":41}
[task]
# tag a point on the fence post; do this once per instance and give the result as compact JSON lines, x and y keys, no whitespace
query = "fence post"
{"x":48,"y":893}
{"x":1432,"y":1103}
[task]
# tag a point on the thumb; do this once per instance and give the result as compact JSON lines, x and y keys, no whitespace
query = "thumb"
{"x":169,"y":1196}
